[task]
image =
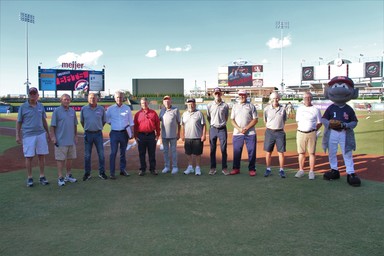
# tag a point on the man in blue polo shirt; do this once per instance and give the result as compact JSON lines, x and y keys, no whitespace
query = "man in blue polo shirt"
{"x":31,"y":120}
{"x":64,"y":136}
{"x":92,"y":118}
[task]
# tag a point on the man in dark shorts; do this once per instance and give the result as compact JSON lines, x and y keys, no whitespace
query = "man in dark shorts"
{"x":274,"y":119}
{"x":193,"y":135}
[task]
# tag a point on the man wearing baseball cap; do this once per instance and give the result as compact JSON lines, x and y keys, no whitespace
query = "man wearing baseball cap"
{"x":193,"y":135}
{"x":170,"y":132}
{"x":31,"y":119}
{"x":244,"y":118}
{"x":217,"y":115}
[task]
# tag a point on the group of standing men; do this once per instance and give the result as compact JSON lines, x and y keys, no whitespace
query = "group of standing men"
{"x":32,"y":131}
{"x":144,"y":127}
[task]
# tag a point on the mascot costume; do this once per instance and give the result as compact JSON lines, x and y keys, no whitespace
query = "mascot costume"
{"x":339,"y":120}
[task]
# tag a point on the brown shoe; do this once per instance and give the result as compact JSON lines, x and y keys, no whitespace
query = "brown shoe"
{"x":154,"y":172}
{"x":141,"y":173}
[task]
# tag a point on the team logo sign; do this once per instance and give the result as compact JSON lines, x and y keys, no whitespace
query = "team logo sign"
{"x":81,"y":85}
{"x":307,"y":73}
{"x":373,"y":69}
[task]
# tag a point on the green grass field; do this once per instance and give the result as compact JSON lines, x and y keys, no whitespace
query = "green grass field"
{"x":189,"y":215}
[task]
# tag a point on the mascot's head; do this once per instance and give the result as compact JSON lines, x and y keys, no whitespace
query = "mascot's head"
{"x":341,"y":90}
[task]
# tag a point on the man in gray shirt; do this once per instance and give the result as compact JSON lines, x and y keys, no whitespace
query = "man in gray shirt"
{"x":92,"y":118}
{"x":170,"y":132}
{"x":31,"y":120}
{"x":274,"y":119}
{"x":193,"y":135}
{"x":217,"y":115}
{"x":64,"y":136}
{"x":244,"y":118}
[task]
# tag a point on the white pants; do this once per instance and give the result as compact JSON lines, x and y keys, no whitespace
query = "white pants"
{"x":338,"y":138}
{"x":35,"y":145}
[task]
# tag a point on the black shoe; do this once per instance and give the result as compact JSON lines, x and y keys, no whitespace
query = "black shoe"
{"x":141,"y":173}
{"x":353,"y":180}
{"x":332,"y":175}
{"x":103,"y":176}
{"x":86,"y":176}
{"x":112,"y":177}
{"x":124,"y":173}
{"x":154,"y":172}
{"x":43,"y":181}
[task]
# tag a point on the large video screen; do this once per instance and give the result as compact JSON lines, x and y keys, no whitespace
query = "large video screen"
{"x":70,"y":80}
{"x":245,"y":75}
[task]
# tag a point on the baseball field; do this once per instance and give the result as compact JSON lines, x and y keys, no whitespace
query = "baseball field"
{"x":190,"y":215}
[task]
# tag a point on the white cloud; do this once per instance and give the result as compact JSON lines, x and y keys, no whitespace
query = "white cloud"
{"x":186,"y":48}
{"x":275,"y":43}
{"x":151,"y":54}
{"x":87,"y":58}
{"x":264,"y":61}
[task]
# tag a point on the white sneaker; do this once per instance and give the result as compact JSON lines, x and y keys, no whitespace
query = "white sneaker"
{"x":70,"y":178}
{"x":60,"y":182}
{"x":197,"y":171}
{"x":189,"y":170}
{"x":165,"y":170}
{"x":175,"y":170}
{"x":311,"y":175}
{"x":299,"y":174}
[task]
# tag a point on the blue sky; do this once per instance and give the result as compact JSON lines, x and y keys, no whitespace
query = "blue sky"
{"x":183,"y":39}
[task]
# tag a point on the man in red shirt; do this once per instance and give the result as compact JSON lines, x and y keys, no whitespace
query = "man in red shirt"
{"x":147,"y":132}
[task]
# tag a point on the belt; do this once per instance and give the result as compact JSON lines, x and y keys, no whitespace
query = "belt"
{"x":276,"y":130}
{"x":119,"y":130}
{"x":146,"y":133}
{"x":219,"y":128}
{"x":307,"y":131}
{"x":93,"y":131}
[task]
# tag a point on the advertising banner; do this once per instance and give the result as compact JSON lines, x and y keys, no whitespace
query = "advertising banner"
{"x":47,"y":79}
{"x":239,"y":75}
{"x":72,"y":80}
{"x":96,"y":81}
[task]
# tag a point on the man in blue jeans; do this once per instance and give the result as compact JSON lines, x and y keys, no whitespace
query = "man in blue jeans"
{"x":92,"y":118}
{"x":217,"y":115}
{"x":244,"y":118}
{"x":119,"y":116}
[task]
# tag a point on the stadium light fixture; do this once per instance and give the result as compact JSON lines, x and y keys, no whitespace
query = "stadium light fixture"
{"x":282,"y":25}
{"x":27,"y":18}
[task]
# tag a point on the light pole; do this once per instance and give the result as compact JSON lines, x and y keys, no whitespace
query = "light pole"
{"x":360,"y":55}
{"x":320,"y":59}
{"x":27,"y":18}
{"x":301,"y":78}
{"x":282,"y":25}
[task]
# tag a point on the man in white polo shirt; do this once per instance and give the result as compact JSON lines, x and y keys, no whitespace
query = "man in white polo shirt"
{"x":308,"y":119}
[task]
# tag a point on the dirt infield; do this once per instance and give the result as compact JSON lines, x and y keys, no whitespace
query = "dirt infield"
{"x":368,"y":167}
